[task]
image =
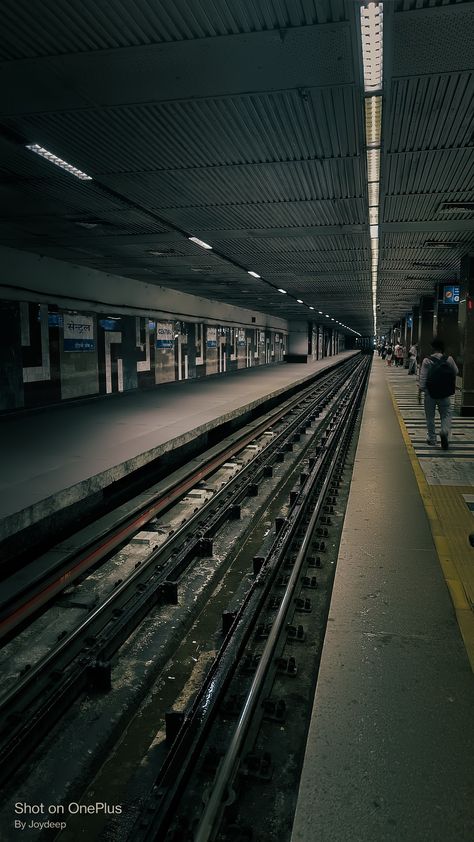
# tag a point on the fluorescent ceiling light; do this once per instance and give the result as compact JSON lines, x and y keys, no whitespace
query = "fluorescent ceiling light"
{"x":371,"y":22}
{"x":373,"y":164}
{"x":254,"y":275}
{"x":282,"y":290}
{"x":373,"y":120}
{"x":53,"y":159}
{"x":374,"y":232}
{"x":200,"y":242}
{"x":374,"y":216}
{"x":299,"y":300}
{"x":326,"y":315}
{"x":320,"y":312}
{"x":311,"y":308}
{"x":374,"y":194}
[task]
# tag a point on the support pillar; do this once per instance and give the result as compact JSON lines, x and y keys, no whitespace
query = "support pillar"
{"x":425,"y":329}
{"x":297,"y":342}
{"x":415,"y":326}
{"x":465,"y":381}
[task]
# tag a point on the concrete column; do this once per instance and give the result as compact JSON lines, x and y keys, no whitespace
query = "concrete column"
{"x":409,"y":331}
{"x":465,"y":397}
{"x":415,"y":327}
{"x":297,"y":342}
{"x":403,"y":331}
{"x":425,"y":328}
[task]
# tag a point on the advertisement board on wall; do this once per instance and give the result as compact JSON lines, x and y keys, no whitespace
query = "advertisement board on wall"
{"x":78,"y":332}
{"x":241,"y":337}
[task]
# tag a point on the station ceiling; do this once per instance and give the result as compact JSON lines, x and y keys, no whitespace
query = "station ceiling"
{"x":240,"y":122}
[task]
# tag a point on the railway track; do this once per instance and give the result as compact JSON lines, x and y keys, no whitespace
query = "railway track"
{"x":265,"y":622}
{"x":84,"y":657}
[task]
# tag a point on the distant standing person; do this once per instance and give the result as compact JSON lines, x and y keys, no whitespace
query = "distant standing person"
{"x":438,"y":382}
{"x":399,"y":351}
{"x":412,"y":355}
{"x":389,"y":354}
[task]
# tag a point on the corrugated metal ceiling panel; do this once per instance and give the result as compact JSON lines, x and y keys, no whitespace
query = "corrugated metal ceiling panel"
{"x":424,"y":207}
{"x":52,"y":28}
{"x":434,"y":171}
{"x":244,"y":183}
{"x":431,"y":112}
{"x":275,"y":215}
{"x":343,"y":244}
{"x":238,"y":129}
{"x":417,"y":239}
{"x":410,"y":5}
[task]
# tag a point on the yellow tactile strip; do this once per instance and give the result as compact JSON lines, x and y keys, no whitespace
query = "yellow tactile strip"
{"x":450,"y":522}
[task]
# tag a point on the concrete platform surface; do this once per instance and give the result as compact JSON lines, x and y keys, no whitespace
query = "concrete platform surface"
{"x":390,"y":749}
{"x":57,"y":456}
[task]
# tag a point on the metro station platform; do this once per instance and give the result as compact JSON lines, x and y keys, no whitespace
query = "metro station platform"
{"x":390,"y":749}
{"x":55,"y":457}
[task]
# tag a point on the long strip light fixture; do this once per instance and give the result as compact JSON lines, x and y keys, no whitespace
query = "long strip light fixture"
{"x":371,"y":23}
{"x":53,"y":159}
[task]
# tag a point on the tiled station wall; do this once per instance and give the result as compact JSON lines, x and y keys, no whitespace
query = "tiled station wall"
{"x":49,"y":355}
{"x":325,"y":342}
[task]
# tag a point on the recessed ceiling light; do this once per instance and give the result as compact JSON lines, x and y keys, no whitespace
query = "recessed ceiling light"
{"x":311,"y":308}
{"x":299,"y":300}
{"x":282,"y":290}
{"x":200,"y":242}
{"x":254,"y":275}
{"x":53,"y":159}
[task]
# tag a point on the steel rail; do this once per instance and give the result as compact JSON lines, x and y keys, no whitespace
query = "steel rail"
{"x":189,"y":741}
{"x":138,"y":574}
{"x":231,"y":759}
{"x":13,"y":612}
{"x":66,"y":647}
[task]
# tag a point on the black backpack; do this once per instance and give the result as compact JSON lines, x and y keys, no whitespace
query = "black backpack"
{"x":441,"y":379}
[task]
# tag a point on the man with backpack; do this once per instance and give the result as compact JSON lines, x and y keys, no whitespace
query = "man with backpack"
{"x":438,"y":382}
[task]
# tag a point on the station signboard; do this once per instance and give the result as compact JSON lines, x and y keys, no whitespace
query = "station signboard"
{"x":78,"y":332}
{"x":164,"y":335}
{"x":451,"y":295}
{"x":211,"y":337}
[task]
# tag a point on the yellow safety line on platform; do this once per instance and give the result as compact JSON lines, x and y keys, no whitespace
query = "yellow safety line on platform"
{"x":462,"y":606}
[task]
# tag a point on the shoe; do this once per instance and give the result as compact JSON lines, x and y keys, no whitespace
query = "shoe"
{"x":444,"y":441}
{"x":431,"y":443}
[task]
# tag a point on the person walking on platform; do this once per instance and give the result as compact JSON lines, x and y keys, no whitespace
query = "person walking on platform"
{"x":389,"y":354}
{"x":399,"y":351}
{"x":412,"y":355}
{"x":438,"y":382}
